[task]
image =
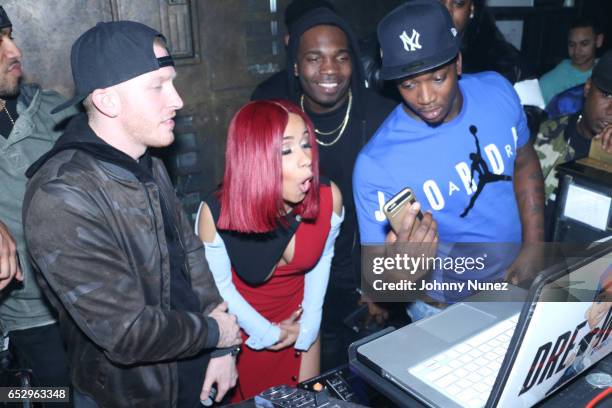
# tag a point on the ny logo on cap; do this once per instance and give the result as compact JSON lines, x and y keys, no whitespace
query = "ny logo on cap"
{"x":411,"y":43}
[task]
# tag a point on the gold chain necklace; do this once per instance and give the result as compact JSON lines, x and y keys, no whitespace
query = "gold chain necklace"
{"x":3,"y":103}
{"x":342,"y":126}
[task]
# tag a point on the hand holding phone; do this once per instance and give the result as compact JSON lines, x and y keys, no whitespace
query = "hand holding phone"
{"x":395,"y":209}
{"x":412,"y":235}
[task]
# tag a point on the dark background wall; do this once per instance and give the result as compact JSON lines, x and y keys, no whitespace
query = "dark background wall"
{"x":226,"y":47}
{"x":236,"y":44}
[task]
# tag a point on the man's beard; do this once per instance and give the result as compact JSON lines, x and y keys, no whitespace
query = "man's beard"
{"x":10,"y":90}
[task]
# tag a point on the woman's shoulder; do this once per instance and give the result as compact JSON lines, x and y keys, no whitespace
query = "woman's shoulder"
{"x":325,"y":189}
{"x":324,"y":181}
{"x":330,"y":196}
{"x":213,"y":203}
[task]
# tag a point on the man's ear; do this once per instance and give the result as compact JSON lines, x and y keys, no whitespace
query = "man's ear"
{"x":106,"y":101}
{"x":295,"y":70}
{"x":599,"y":40}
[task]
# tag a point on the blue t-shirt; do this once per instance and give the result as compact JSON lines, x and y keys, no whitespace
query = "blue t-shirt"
{"x":444,"y":166}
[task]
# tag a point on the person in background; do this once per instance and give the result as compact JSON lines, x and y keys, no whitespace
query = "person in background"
{"x":483,"y":46}
{"x":27,"y":131}
{"x":269,"y":233}
{"x":277,"y":85}
{"x":569,"y":137}
{"x":140,"y":314}
{"x":583,"y":40}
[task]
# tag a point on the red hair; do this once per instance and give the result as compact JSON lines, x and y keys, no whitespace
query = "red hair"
{"x":251,"y":195}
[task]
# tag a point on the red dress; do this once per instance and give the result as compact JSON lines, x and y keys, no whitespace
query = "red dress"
{"x":276,"y":299}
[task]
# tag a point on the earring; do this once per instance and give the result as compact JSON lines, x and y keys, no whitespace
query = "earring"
{"x":472,"y":14}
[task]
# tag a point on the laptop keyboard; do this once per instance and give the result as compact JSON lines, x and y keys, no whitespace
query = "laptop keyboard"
{"x":466,"y":372}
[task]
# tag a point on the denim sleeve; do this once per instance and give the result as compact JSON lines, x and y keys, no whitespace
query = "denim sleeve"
{"x":262,"y":333}
{"x":315,"y":285}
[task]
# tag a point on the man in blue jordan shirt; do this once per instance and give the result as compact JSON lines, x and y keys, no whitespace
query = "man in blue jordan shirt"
{"x":460,"y":142}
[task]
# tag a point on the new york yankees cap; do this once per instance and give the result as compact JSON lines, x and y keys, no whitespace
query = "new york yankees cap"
{"x":111,"y":53}
{"x":415,"y":37}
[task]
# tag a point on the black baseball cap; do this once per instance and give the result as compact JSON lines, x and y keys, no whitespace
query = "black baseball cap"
{"x":5,"y":21}
{"x":111,"y":53}
{"x":602,"y":72}
{"x":415,"y":37}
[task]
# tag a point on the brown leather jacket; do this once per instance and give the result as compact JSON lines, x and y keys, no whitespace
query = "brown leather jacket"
{"x":96,"y":234}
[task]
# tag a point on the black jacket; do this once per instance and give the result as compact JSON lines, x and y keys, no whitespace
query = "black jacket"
{"x":484,"y":48}
{"x":95,"y":231}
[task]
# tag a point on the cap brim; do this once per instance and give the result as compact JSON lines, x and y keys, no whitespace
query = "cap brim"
{"x":604,"y":84}
{"x":397,"y":72}
{"x":71,"y":102}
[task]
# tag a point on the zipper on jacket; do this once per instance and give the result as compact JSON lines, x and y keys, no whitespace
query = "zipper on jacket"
{"x":175,"y":225}
{"x":161,"y":268}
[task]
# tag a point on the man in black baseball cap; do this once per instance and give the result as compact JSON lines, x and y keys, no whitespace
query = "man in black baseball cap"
{"x":461,"y":143}
{"x":596,"y":120}
{"x":569,"y":137}
{"x":602,"y":73}
{"x":140,"y":312}
{"x":111,"y":53}
{"x":417,"y":38}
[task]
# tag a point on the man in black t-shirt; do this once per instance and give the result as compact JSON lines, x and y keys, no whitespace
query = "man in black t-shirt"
{"x":277,"y":85}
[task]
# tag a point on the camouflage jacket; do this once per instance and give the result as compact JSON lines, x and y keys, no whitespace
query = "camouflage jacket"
{"x":553,"y":148}
{"x":96,"y":233}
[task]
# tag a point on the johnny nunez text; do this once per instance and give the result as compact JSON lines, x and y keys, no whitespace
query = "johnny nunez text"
{"x":406,"y":285}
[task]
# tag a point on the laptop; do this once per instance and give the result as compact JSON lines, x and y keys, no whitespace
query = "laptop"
{"x":509,"y":354}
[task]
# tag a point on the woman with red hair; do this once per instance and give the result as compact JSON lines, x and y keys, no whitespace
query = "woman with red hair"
{"x":269,"y":234}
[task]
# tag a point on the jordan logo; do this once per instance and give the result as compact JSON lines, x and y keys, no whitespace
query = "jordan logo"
{"x":411,"y":43}
{"x":484,"y":174}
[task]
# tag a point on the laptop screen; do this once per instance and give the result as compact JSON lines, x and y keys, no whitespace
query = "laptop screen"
{"x":568,"y":332}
